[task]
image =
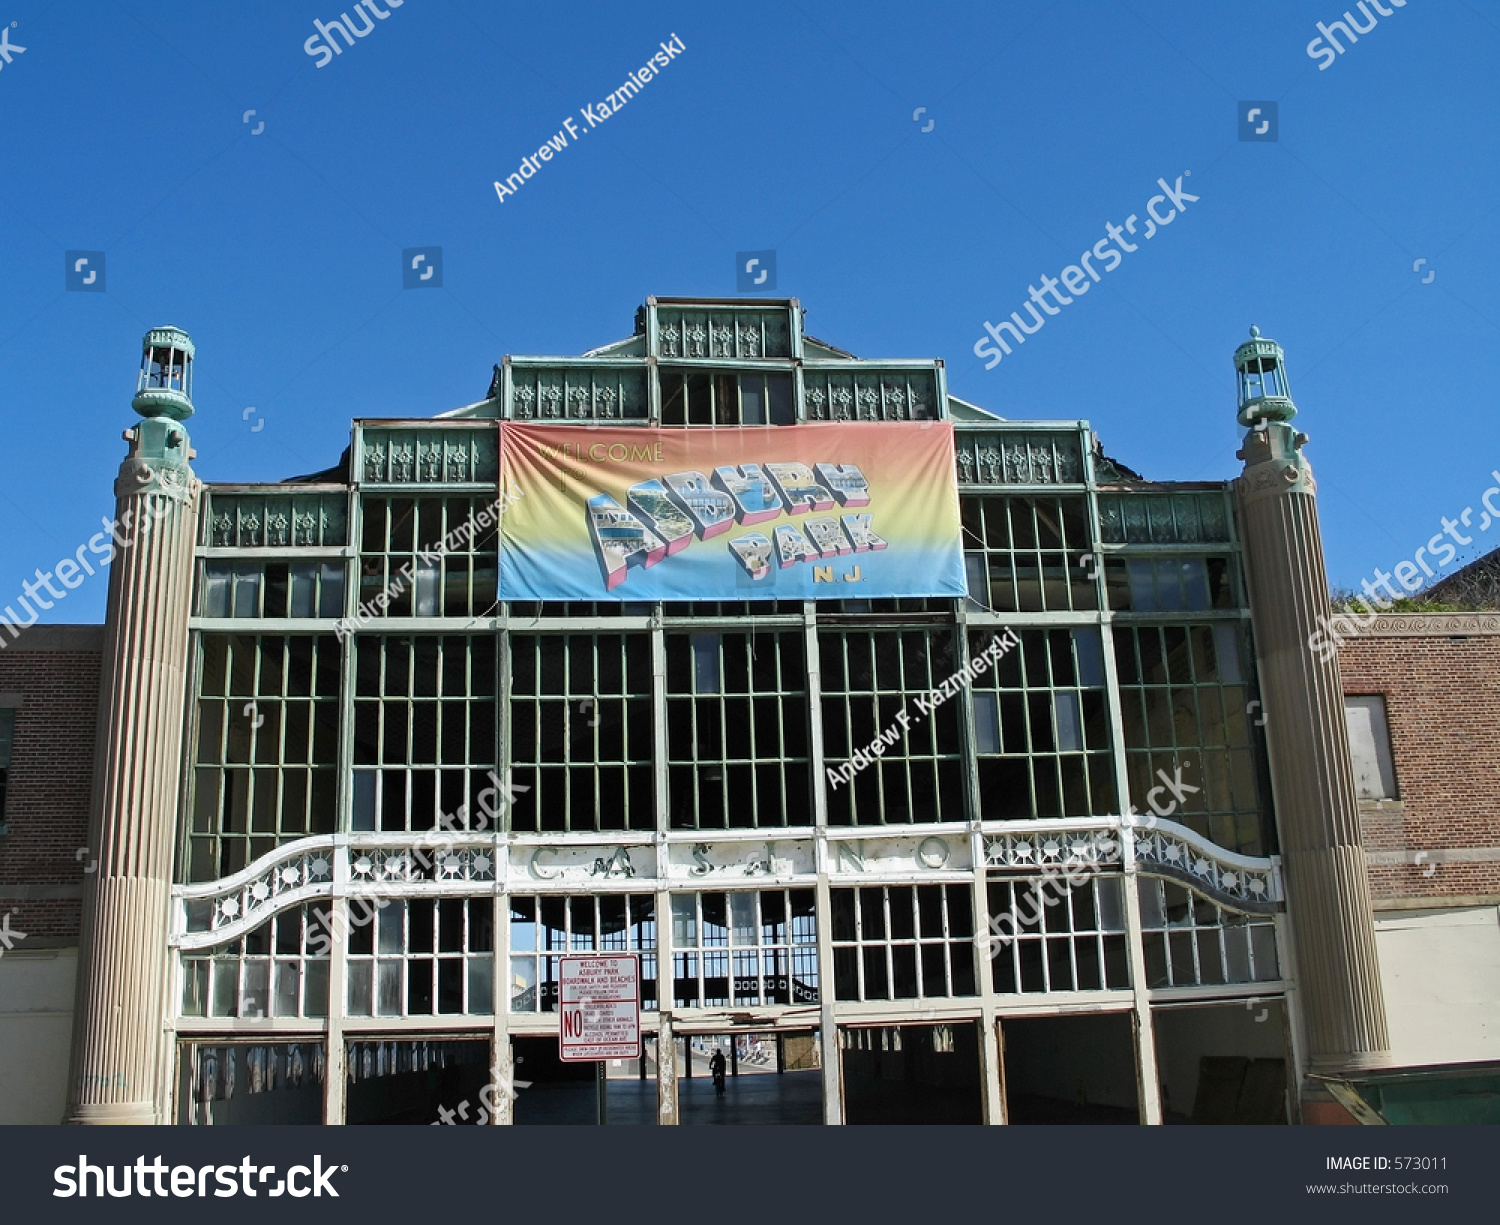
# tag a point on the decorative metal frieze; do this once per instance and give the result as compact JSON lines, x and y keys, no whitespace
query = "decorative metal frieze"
{"x":451,"y":456}
{"x":404,"y":865}
{"x":988,"y":458}
{"x":1164,"y":848}
{"x":578,"y":393}
{"x":261,"y":521}
{"x":579,"y":864}
{"x":890,"y":395}
{"x":287,"y":877}
{"x":901,"y":856}
{"x":739,"y":859}
{"x":1163,"y":518}
{"x":1059,"y":851}
{"x":309,"y":868}
{"x":729,"y":333}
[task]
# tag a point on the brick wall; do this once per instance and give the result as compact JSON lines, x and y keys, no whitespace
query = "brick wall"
{"x":55,"y":671}
{"x":1442,"y":694}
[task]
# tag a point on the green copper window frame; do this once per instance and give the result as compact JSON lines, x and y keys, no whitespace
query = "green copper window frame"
{"x":869,"y":676}
{"x":265,"y":747}
{"x":580,"y":722}
{"x":738,"y":742}
{"x":424,"y":736}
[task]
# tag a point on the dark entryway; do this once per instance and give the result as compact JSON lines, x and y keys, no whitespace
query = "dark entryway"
{"x":1070,"y":1069}
{"x":912,"y":1074}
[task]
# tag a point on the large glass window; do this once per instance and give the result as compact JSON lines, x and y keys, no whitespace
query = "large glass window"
{"x":542,"y":929}
{"x":421,"y":957}
{"x":1041,"y":727}
{"x":424,"y":731}
{"x":737,"y":738}
{"x":903,"y":942}
{"x":402,"y":564}
{"x":1029,"y":554}
{"x":726,"y":397}
{"x":581,"y":732}
{"x":1164,"y":518}
{"x":280,"y":969}
{"x":266,"y":749}
{"x":1189,"y":731}
{"x":744,"y":948}
{"x":272,"y":589}
{"x":1170,"y":584}
{"x":1051,"y":934}
{"x":1192,"y":942}
{"x":868,"y":677}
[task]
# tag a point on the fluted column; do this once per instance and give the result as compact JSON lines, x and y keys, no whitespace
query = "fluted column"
{"x":1317,"y":814}
{"x":117,"y":1075}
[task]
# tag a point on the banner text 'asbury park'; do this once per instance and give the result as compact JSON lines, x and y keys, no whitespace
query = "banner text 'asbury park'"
{"x":829,"y":511}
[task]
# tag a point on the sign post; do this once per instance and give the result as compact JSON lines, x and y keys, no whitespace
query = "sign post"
{"x":600,"y":1012}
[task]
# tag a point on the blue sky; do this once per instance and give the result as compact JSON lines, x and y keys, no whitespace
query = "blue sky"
{"x":783,"y":126}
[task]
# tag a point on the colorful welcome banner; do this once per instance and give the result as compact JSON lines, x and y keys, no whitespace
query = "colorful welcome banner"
{"x":802,"y":512}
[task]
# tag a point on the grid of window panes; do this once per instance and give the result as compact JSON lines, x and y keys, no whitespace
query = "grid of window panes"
{"x":280,"y":969}
{"x":867,"y":678}
{"x":581,"y":730}
{"x":903,"y":942}
{"x":421,"y":957}
{"x":1171,"y":583}
{"x":400,"y":561}
{"x":543,"y":929}
{"x":1164,"y":518}
{"x":744,"y":948}
{"x":1041,"y":726}
{"x":1192,"y":941}
{"x":266,"y":747}
{"x":272,"y":589}
{"x":1185,"y":706}
{"x":1029,"y":554}
{"x":737,"y":730}
{"x":727,"y":397}
{"x":7,"y":738}
{"x":1057,"y":934}
{"x":424,"y":731}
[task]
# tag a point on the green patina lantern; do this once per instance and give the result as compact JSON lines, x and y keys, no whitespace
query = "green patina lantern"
{"x":159,"y":453}
{"x":166,"y":383}
{"x":1264,"y":392}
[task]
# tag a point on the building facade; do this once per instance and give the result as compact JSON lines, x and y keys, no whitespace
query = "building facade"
{"x":352,"y":807}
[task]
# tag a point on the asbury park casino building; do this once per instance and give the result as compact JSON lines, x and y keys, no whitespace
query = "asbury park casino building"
{"x":936,"y":766}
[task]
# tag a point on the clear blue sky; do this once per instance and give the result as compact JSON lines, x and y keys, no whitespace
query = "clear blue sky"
{"x":785,"y":126}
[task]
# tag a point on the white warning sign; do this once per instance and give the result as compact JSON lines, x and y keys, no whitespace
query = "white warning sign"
{"x":600,"y":1007}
